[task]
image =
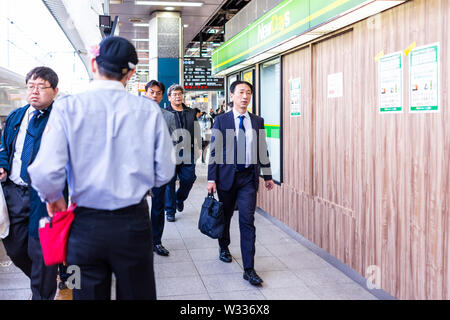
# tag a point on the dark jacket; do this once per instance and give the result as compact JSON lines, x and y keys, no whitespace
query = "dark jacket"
{"x":190,"y":123}
{"x":223,"y":173}
{"x":38,"y":209}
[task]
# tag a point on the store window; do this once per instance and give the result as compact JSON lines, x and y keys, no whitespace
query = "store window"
{"x":230,"y":80}
{"x":270,"y":110}
{"x":247,"y":75}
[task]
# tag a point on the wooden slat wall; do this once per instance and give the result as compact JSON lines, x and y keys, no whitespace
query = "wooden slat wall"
{"x":370,"y":188}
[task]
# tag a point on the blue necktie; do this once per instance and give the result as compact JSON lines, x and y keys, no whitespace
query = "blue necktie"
{"x":240,"y":156}
{"x":27,"y":150}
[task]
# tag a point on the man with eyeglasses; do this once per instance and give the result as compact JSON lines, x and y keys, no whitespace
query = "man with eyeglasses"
{"x":188,"y":142}
{"x":19,"y":146}
{"x":155,"y":90}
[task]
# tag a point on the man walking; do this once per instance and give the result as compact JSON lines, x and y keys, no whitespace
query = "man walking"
{"x":237,"y":182}
{"x":188,"y":144}
{"x":20,"y":143}
{"x":155,"y":91}
{"x":114,"y":147}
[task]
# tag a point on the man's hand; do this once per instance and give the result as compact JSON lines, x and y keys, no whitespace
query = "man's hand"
{"x":58,"y":205}
{"x":3,"y":174}
{"x":212,"y":187}
{"x":269,"y":184}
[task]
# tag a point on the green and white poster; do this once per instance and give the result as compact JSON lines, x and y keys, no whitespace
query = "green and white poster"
{"x":294,"y":99}
{"x":390,"y":83}
{"x":424,"y":79}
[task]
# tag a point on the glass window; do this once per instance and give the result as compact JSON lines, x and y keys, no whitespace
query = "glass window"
{"x":247,"y":75}
{"x":270,"y":110}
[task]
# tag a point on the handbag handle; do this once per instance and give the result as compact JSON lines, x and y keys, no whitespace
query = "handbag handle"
{"x":210,"y":195}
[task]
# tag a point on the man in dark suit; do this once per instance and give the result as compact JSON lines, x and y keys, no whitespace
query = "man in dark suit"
{"x":238,"y":152}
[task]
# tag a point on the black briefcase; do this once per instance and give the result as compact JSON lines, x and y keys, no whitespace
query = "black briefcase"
{"x":211,"y":220}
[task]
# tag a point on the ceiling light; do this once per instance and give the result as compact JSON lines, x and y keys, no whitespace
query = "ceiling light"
{"x":169,"y":3}
{"x":140,"y":24}
{"x":143,"y":40}
{"x":169,"y":8}
{"x":185,"y":25}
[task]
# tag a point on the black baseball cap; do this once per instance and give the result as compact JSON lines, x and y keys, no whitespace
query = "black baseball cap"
{"x":117,"y":54}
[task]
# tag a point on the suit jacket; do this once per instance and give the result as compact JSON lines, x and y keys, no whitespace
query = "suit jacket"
{"x":38,"y":209}
{"x":223,"y":173}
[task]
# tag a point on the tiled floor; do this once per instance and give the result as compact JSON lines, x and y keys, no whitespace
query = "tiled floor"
{"x":193,"y":271}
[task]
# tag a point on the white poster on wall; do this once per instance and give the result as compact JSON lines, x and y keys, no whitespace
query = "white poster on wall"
{"x":390,"y":83}
{"x":335,"y":85}
{"x":294,"y":91}
{"x":424,"y":79}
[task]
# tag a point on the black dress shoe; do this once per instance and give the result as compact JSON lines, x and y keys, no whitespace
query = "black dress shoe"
{"x":159,"y":249}
{"x":180,"y":206}
{"x":252,"y":277}
{"x":170,"y":217}
{"x":225,"y":255}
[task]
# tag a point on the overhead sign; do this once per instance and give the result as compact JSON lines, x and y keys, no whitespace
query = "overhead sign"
{"x":288,"y":19}
{"x":197,"y":75}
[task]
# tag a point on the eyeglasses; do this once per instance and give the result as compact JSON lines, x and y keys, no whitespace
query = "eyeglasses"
{"x":176,"y":94}
{"x":38,"y":87}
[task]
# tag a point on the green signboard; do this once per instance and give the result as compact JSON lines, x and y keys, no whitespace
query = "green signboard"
{"x":288,"y":19}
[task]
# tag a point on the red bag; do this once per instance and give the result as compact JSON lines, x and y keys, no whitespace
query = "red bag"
{"x":55,"y":234}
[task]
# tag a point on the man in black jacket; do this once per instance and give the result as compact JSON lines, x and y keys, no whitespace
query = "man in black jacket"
{"x":188,"y":136}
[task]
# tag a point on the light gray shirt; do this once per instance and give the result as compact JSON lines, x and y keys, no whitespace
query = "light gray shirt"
{"x":113,"y":145}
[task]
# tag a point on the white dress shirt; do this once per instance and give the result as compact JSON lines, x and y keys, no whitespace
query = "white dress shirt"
{"x":16,"y":165}
{"x":248,"y":134}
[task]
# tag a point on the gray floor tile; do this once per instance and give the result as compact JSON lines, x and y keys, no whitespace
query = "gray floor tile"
{"x":217,"y":267}
{"x":285,"y":249}
{"x":203,"y":296}
{"x":200,"y":242}
{"x":175,"y":269}
{"x":322,"y":276}
{"x":15,"y":294}
{"x":267,"y":264}
{"x":174,"y":244}
{"x":204,"y":254}
{"x":280,"y":279}
{"x":304,"y":260}
{"x":292,"y":293}
{"x":15,"y":280}
{"x":179,"y":286}
{"x":226,"y":283}
{"x":174,"y":256}
{"x":238,"y":295}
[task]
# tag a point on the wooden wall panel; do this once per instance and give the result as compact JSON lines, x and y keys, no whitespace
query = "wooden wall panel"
{"x":378,"y":189}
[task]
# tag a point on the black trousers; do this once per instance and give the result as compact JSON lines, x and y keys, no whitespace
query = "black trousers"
{"x":25,"y":251}
{"x":242,"y":193}
{"x":103,"y":242}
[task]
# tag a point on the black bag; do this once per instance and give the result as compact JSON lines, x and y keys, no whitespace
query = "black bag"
{"x":211,"y":220}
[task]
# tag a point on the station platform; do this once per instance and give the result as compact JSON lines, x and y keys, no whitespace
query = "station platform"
{"x":193,"y":270}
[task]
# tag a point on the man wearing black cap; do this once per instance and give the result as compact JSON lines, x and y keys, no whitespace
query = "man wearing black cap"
{"x":113,"y":147}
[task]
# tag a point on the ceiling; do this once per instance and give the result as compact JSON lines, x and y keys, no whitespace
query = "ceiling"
{"x":194,"y":17}
{"x":203,"y":24}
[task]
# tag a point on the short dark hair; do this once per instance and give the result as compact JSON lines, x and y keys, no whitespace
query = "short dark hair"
{"x":110,"y":74}
{"x":45,"y":73}
{"x":237,"y":82}
{"x":153,"y":83}
{"x":197,"y":110}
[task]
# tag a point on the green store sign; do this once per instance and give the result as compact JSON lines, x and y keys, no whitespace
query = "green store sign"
{"x":289,"y":18}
